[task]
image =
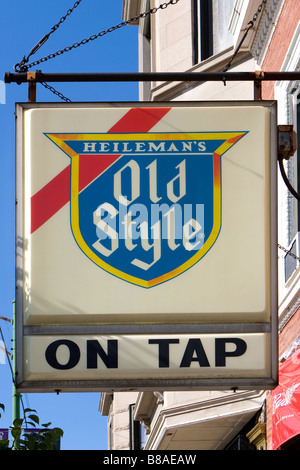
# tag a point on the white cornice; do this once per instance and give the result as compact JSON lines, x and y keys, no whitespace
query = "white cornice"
{"x":265,"y":29}
{"x":105,"y":402}
{"x":131,"y":8}
{"x":216,"y":406}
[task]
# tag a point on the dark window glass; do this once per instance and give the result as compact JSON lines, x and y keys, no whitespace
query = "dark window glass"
{"x":202,"y":30}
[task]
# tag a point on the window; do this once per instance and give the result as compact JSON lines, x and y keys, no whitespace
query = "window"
{"x":211,"y":28}
{"x":137,"y":432}
{"x":134,"y":431}
{"x":203,"y":30}
{"x":293,"y":205}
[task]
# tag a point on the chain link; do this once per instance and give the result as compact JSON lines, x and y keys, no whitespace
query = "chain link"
{"x":259,"y":10}
{"x":23,"y":68}
{"x":288,"y":252}
{"x":55,"y":92}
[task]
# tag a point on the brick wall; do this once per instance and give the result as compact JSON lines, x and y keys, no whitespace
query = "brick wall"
{"x":290,"y":332}
{"x":283,"y":34}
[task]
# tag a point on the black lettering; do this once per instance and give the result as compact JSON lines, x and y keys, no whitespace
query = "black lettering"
{"x":74,"y":351}
{"x":94,"y":349}
{"x":194,"y":346}
{"x":163,"y":350}
{"x":221,"y":353}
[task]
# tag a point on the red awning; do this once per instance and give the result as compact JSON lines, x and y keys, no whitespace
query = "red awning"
{"x":286,"y":402}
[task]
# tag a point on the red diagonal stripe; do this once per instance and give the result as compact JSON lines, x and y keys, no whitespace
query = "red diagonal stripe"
{"x":52,"y":197}
{"x":91,"y":166}
{"x":139,"y":120}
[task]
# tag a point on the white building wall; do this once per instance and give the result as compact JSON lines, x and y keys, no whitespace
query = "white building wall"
{"x":118,"y":420}
{"x":171,"y":33}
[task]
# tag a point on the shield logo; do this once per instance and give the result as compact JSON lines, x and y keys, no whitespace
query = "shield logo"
{"x":146,"y":207}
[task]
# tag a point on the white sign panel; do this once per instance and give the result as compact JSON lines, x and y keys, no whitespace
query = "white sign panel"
{"x":138,"y":357}
{"x":135,"y":214}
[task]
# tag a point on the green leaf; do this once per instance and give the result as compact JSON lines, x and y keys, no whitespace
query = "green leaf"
{"x":27,"y":410}
{"x":18,"y":422}
{"x":46,"y":425}
{"x":31,"y":424}
{"x":16,"y":433}
{"x":23,"y":442}
{"x":59,"y":431}
{"x":34,"y":418}
{"x":4,"y":444}
{"x":30,"y":441}
{"x":2,"y":407}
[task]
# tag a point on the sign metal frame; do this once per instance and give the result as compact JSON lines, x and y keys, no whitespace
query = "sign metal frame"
{"x":108,"y":384}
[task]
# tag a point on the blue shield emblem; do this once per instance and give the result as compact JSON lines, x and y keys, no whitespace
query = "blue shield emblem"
{"x":145,"y":207}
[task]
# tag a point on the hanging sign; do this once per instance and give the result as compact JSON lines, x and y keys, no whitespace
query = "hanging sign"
{"x":137,"y":214}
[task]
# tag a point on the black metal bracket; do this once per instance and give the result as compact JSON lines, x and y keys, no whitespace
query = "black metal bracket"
{"x":256,"y":77}
{"x":259,"y":76}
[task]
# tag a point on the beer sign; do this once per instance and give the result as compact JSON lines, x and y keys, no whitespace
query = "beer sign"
{"x":138,"y":219}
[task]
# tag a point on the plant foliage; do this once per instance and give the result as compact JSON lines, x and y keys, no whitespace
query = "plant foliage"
{"x":26,"y":435}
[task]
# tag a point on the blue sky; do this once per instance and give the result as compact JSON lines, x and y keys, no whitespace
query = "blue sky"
{"x":22,"y":25}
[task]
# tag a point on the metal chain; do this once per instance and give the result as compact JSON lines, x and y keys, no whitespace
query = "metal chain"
{"x":250,"y":26}
{"x":259,"y":10}
{"x":55,"y":92}
{"x":21,"y":67}
{"x":288,"y":252}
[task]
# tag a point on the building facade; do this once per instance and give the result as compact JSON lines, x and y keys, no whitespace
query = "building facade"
{"x":203,"y":36}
